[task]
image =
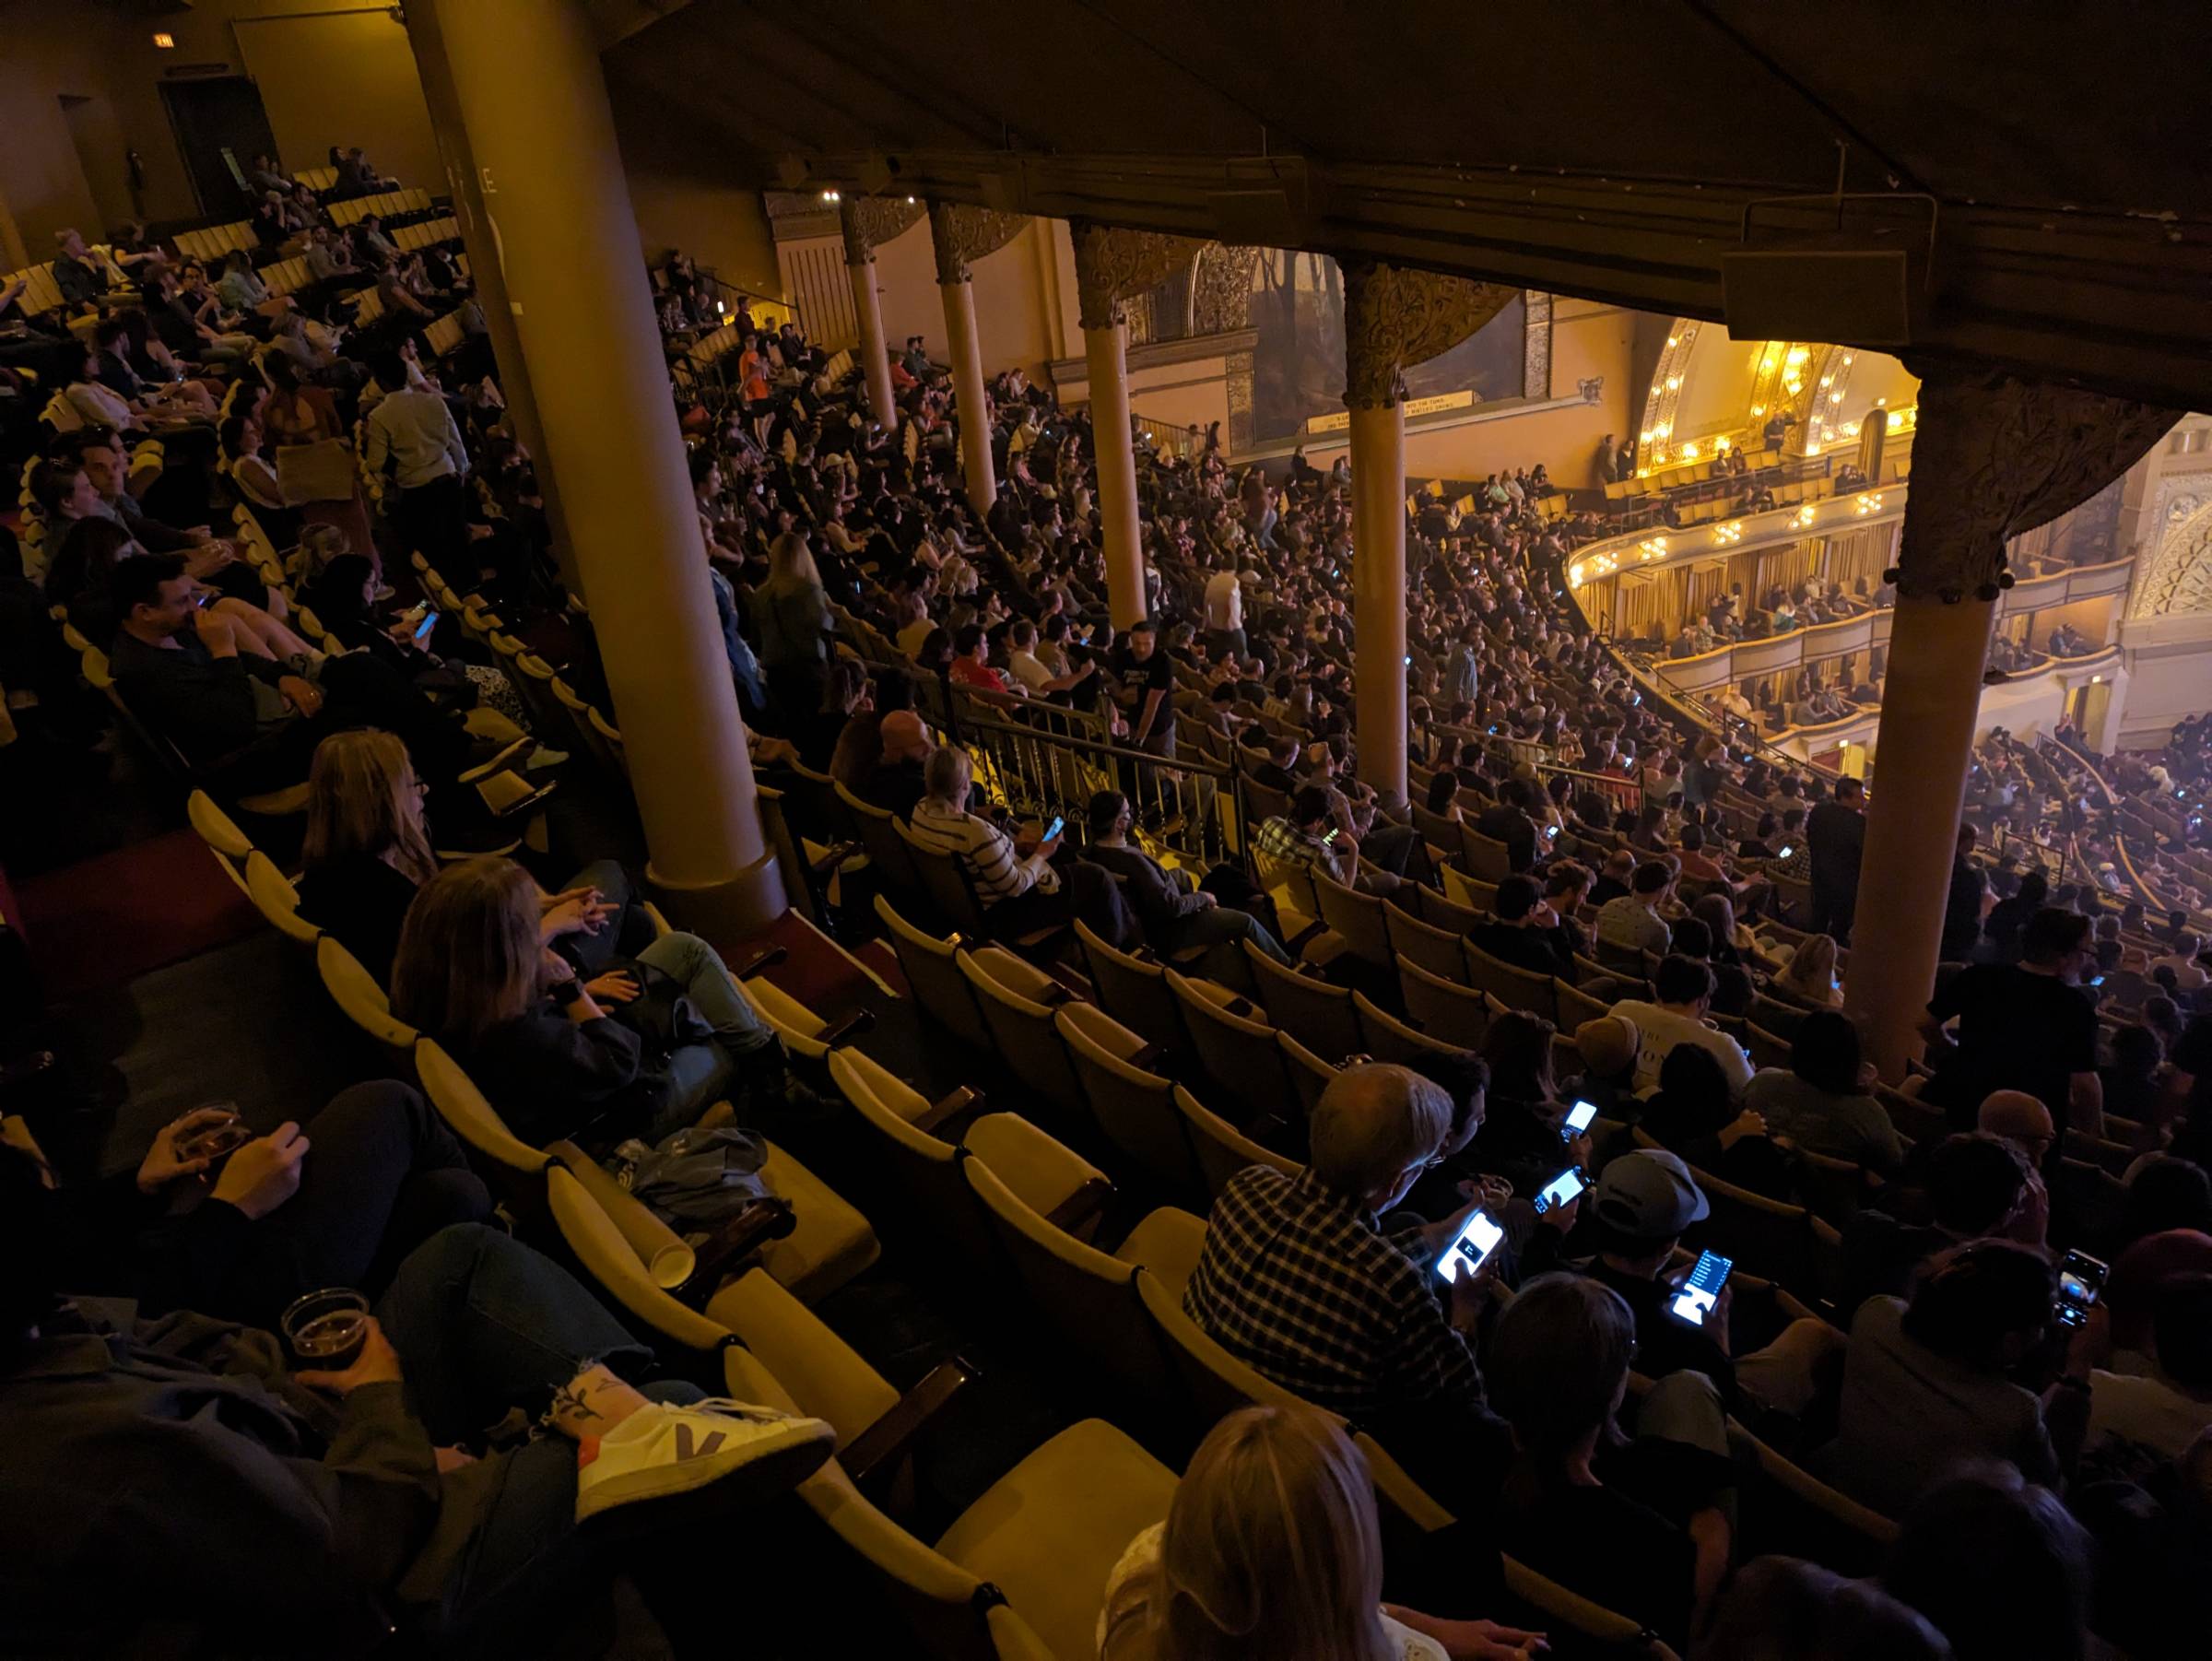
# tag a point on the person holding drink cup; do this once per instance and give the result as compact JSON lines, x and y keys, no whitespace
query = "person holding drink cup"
{"x":173,"y":1482}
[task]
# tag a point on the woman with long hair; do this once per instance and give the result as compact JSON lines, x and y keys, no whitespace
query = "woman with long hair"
{"x":1809,"y":977}
{"x":560,"y":1055}
{"x":1822,"y":1100}
{"x":792,"y":611}
{"x":1273,"y":1551}
{"x":368,"y":850}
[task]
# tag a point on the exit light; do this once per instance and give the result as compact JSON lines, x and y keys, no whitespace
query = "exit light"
{"x":164,"y":42}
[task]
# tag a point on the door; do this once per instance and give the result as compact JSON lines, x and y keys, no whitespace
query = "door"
{"x":220,"y":128}
{"x":105,"y":160}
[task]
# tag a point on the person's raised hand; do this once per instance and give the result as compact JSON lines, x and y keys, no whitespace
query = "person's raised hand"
{"x":615,"y":987}
{"x":378,"y":1363}
{"x":1562,"y":1217}
{"x":162,"y":1164}
{"x":302,"y":694}
{"x":573,"y":916}
{"x":264,"y":1172}
{"x":1749,"y":1123}
{"x":216,"y":632}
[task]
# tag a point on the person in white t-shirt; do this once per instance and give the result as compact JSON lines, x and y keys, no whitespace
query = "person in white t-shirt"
{"x":2137,"y":1421}
{"x":1273,"y":1548}
{"x":1225,"y":612}
{"x":2188,"y":973}
{"x":1029,"y":671}
{"x":1684,"y":988}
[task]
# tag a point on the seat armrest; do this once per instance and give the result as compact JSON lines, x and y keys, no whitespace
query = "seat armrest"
{"x":767,"y":957}
{"x":846,"y":1028}
{"x":1075,"y":1214}
{"x":966,"y":1098}
{"x":879,"y":1451}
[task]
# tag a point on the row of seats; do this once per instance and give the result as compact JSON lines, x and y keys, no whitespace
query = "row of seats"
{"x":412,"y":200}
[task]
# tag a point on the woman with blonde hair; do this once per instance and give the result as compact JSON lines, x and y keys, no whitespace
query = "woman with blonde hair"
{"x":1809,"y":977}
{"x":639,"y":1051}
{"x":1272,"y":1551}
{"x":792,"y":611}
{"x":368,"y":850}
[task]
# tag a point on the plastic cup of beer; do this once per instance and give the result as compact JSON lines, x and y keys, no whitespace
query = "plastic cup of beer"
{"x":214,"y":1140}
{"x":326,"y":1330}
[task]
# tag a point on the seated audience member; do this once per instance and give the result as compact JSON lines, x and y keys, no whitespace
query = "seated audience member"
{"x":2163,"y":1194}
{"x":1780,"y":1609}
{"x":1809,"y":977}
{"x":564,"y":1057}
{"x":1518,"y":1138}
{"x":1631,"y":920}
{"x":1997,"y":1565}
{"x":1637,"y":1524}
{"x":1616,"y":879}
{"x":141,"y":1456}
{"x":1684,"y":992}
{"x":1820,"y":1101}
{"x":2139,"y":1420}
{"x":897,"y":782}
{"x":1691,"y":1114}
{"x":1272,"y":1549}
{"x":1609,"y":1047}
{"x":210,"y":685}
{"x":2025,"y":1026}
{"x":2129,"y":1083}
{"x":368,"y":852}
{"x":1173,"y":916}
{"x":1016,"y":883}
{"x":1927,"y":1385}
{"x":1518,"y":927}
{"x":335,"y":1202}
{"x":344,"y":599}
{"x":1978,"y":1186}
{"x":1506,"y":820}
{"x":1298,"y":1281}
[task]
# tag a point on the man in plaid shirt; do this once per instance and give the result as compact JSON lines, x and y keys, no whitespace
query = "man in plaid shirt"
{"x":1297,"y":1280}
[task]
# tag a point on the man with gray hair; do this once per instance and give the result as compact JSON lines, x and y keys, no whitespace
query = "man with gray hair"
{"x":1297,"y":1280}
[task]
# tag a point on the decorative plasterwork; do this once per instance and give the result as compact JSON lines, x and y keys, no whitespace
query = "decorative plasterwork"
{"x":1535,"y":344}
{"x":961,"y":235}
{"x":1113,"y":265}
{"x":868,"y":222}
{"x":1994,"y":457}
{"x":1221,"y":301}
{"x":1653,"y":438}
{"x":1394,"y":317}
{"x":2177,"y":577}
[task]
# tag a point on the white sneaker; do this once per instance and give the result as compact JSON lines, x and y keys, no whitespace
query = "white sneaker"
{"x":542,"y":757}
{"x":662,"y":1450}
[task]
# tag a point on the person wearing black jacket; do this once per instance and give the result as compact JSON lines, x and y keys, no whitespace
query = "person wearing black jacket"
{"x":1837,"y":831}
{"x":1508,"y":821}
{"x":1517,"y":930}
{"x":1172,"y":917}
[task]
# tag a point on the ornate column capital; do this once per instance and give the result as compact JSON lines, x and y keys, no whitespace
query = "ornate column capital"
{"x":1994,"y":455}
{"x":961,"y":235}
{"x":1394,"y":318}
{"x":868,"y":223}
{"x":1114,"y":264}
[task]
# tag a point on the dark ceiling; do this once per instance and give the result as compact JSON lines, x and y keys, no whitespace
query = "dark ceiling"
{"x":1612,"y":140}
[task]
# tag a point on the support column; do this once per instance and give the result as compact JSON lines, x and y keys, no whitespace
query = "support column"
{"x":960,"y":235}
{"x":874,"y":358}
{"x":1379,"y":591}
{"x":1392,"y":319}
{"x":1113,"y":266}
{"x":1105,"y":353}
{"x":490,"y":285}
{"x":533,"y":103}
{"x":1993,"y":457}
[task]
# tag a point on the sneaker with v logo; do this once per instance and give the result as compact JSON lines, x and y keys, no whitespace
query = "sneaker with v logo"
{"x":744,"y":1453}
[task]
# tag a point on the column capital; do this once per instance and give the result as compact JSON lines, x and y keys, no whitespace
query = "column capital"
{"x":1114,"y":264}
{"x":868,"y":222}
{"x":1994,"y":455}
{"x":961,"y":235}
{"x":1394,"y":318}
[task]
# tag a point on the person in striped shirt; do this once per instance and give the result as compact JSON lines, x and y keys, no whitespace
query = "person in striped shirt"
{"x":1017,"y":883}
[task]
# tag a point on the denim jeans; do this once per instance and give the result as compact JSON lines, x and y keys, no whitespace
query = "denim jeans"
{"x":1221,"y":929}
{"x":382,"y":1175}
{"x":702,"y":1073}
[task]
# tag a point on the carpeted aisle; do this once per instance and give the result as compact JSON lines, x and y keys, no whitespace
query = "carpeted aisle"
{"x":105,"y":921}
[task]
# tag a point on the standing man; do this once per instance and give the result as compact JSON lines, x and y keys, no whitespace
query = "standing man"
{"x":1224,"y":611}
{"x":1148,"y":678}
{"x":1837,"y":831}
{"x":1962,"y":907}
{"x":411,"y":429}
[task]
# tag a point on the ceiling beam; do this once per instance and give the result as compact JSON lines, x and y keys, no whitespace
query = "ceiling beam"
{"x":2120,"y":303}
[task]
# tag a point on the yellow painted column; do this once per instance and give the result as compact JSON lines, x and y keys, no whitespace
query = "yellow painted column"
{"x":1931,"y":698}
{"x":1379,"y":591}
{"x":875,"y":359}
{"x":533,"y":101}
{"x":490,"y":283}
{"x":970,"y":404}
{"x":1104,"y":352}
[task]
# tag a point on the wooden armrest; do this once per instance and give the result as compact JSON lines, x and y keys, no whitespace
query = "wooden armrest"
{"x":1149,"y":1058}
{"x":959,"y":1100}
{"x":882,"y":1446}
{"x":767,"y":957}
{"x":1081,"y":1207}
{"x":832,"y":860}
{"x":1054,"y":993}
{"x":845,"y":1030}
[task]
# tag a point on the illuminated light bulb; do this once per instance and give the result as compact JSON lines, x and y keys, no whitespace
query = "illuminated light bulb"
{"x":1689,"y":452}
{"x":1674,"y":382}
{"x":1835,"y":398}
{"x":1759,"y":410}
{"x":1894,"y":420}
{"x":1721,"y":444}
{"x":1847,"y":357}
{"x":1645,"y":435}
{"x":1674,"y":340}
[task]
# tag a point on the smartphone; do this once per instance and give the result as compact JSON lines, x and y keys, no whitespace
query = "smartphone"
{"x":422,"y":630}
{"x":1578,"y":1120}
{"x":1471,"y":1249}
{"x":1703,"y":1289}
{"x":2080,"y":1282}
{"x":1561,"y":1190}
{"x":1786,"y":850}
{"x":1551,"y":832}
{"x":1053,"y":830}
{"x":1328,"y":838}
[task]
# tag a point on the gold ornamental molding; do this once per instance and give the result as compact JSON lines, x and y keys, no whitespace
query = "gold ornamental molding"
{"x":1394,"y":318}
{"x":1113,"y":265}
{"x":868,"y":222}
{"x":962,"y":235}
